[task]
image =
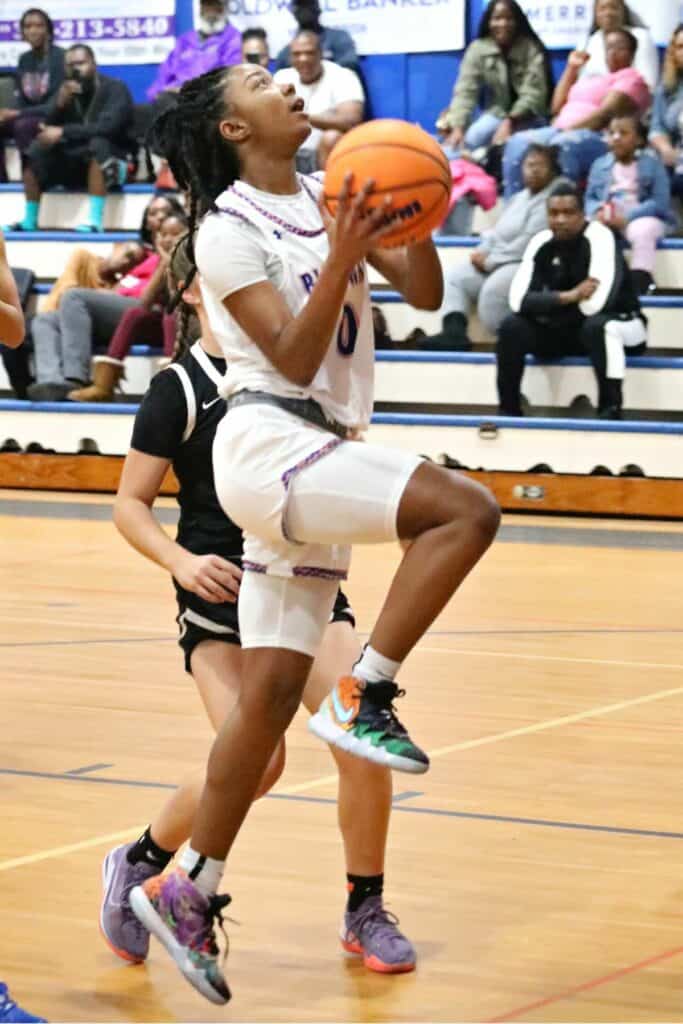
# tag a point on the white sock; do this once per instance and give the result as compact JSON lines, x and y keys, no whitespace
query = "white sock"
{"x":205,"y":872}
{"x":373,"y":667}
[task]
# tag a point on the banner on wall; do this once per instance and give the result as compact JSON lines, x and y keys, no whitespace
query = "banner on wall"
{"x":377,"y":26}
{"x":565,"y":24}
{"x":117,"y":32}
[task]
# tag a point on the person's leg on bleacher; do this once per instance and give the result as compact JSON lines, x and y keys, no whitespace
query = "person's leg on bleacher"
{"x":481,"y":131}
{"x":137,"y":326}
{"x":494,"y":298}
{"x":45,"y":167}
{"x":643,"y":233}
{"x":462,"y":285}
{"x":107,"y":169}
{"x":518,"y":337}
{"x":579,"y":149}
{"x":608,"y":341}
{"x":50,"y":384}
{"x":87,"y":320}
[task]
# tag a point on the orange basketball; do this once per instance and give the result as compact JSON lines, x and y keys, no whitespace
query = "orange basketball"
{"x":406,"y":164}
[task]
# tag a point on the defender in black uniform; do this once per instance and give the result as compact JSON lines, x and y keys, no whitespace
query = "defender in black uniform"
{"x":176,"y":424}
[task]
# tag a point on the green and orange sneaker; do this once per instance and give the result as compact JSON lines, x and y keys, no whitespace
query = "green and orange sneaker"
{"x":360,"y":719}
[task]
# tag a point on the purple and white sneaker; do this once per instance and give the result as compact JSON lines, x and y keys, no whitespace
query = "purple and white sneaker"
{"x":120,"y":928}
{"x":372,"y":932}
{"x":173,"y":909}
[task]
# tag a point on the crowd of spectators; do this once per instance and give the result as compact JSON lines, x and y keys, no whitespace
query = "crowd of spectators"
{"x":611,"y":126}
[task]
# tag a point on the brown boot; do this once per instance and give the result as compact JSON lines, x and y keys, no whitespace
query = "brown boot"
{"x":107,"y":373}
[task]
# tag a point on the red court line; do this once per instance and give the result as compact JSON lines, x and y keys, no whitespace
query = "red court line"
{"x":587,"y":985}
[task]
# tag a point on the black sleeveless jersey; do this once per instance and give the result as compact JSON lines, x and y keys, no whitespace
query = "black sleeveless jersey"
{"x":177,"y":420}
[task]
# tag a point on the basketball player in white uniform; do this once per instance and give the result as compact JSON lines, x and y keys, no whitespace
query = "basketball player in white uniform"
{"x":288,"y":301}
{"x":176,"y":425}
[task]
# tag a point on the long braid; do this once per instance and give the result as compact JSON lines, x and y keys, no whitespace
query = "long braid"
{"x":181,"y":272}
{"x":202,"y":162}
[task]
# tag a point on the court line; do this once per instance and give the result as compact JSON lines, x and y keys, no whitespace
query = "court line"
{"x":525,"y":730}
{"x":61,"y":851}
{"x":399,"y":806}
{"x":85,"y":643}
{"x":608,"y":631}
{"x":548,"y":657}
{"x":587,"y":985}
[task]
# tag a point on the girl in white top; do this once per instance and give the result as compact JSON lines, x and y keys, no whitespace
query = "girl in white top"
{"x":287,"y":298}
{"x":610,"y":15}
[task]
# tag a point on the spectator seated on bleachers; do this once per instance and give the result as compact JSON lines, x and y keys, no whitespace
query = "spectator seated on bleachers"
{"x":85,"y":141}
{"x":508,"y":68}
{"x":87,"y":318}
{"x":147,"y":323}
{"x":628,"y":191}
{"x":572,"y":295}
{"x":485,"y":280}
{"x":583,"y":107}
{"x":666,"y":128}
{"x":255,"y":47}
{"x":333,"y":98}
{"x":611,"y":14}
{"x":336,"y":44}
{"x":40,"y":73}
{"x":215,"y":43}
{"x":85,"y":269}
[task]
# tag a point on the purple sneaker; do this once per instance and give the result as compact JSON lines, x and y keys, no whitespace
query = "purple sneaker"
{"x":172,"y":908}
{"x":372,"y":932}
{"x":120,"y":928}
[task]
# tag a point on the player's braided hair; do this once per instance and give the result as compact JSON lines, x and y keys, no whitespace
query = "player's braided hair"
{"x":202,"y":162}
{"x":181,"y":268}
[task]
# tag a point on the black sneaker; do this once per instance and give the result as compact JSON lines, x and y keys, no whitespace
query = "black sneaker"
{"x":360,"y":718}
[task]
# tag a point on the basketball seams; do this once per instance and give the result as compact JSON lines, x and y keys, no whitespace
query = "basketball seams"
{"x":400,"y":241}
{"x":430,"y":185}
{"x":440,"y":162}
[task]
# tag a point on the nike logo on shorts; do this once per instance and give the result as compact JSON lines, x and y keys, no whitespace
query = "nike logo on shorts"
{"x":207,"y":405}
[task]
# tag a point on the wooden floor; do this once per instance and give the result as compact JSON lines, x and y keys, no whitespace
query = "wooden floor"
{"x":538,"y":867}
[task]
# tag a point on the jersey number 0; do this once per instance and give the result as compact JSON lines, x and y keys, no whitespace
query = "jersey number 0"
{"x":348,"y":332}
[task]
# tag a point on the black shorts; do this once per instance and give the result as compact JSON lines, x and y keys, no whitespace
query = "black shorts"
{"x":219,"y":622}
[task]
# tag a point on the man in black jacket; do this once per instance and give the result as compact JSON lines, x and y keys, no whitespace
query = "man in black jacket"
{"x":572,"y":295}
{"x":85,"y":140}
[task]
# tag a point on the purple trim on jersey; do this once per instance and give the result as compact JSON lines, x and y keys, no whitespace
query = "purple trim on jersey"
{"x":291,"y":228}
{"x":234,"y":213}
{"x":253,"y":566}
{"x":319,"y":453}
{"x":318,"y":573}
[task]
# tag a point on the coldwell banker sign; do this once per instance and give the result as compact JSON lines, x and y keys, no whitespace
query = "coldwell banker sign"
{"x":377,"y":26}
{"x":565,"y":24}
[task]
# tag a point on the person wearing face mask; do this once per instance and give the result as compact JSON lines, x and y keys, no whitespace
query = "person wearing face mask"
{"x":335,"y":43}
{"x":214,"y":43}
{"x":84,"y":140}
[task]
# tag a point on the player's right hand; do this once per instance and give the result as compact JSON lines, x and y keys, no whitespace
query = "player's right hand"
{"x":354,"y":231}
{"x":210,"y":577}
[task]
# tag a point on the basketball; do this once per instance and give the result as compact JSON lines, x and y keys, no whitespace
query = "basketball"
{"x":405,"y":163}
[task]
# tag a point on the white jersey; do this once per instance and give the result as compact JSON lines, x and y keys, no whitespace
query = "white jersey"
{"x":256,"y":237}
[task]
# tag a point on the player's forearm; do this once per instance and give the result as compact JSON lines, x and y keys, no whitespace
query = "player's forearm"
{"x":304,"y":341}
{"x":137,"y":524}
{"x":423,"y":283}
{"x":12,"y":327}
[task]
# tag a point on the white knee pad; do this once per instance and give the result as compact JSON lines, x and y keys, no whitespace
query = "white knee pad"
{"x":288,"y":612}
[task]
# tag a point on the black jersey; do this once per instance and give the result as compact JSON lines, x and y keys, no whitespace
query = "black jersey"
{"x":177,"y":420}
